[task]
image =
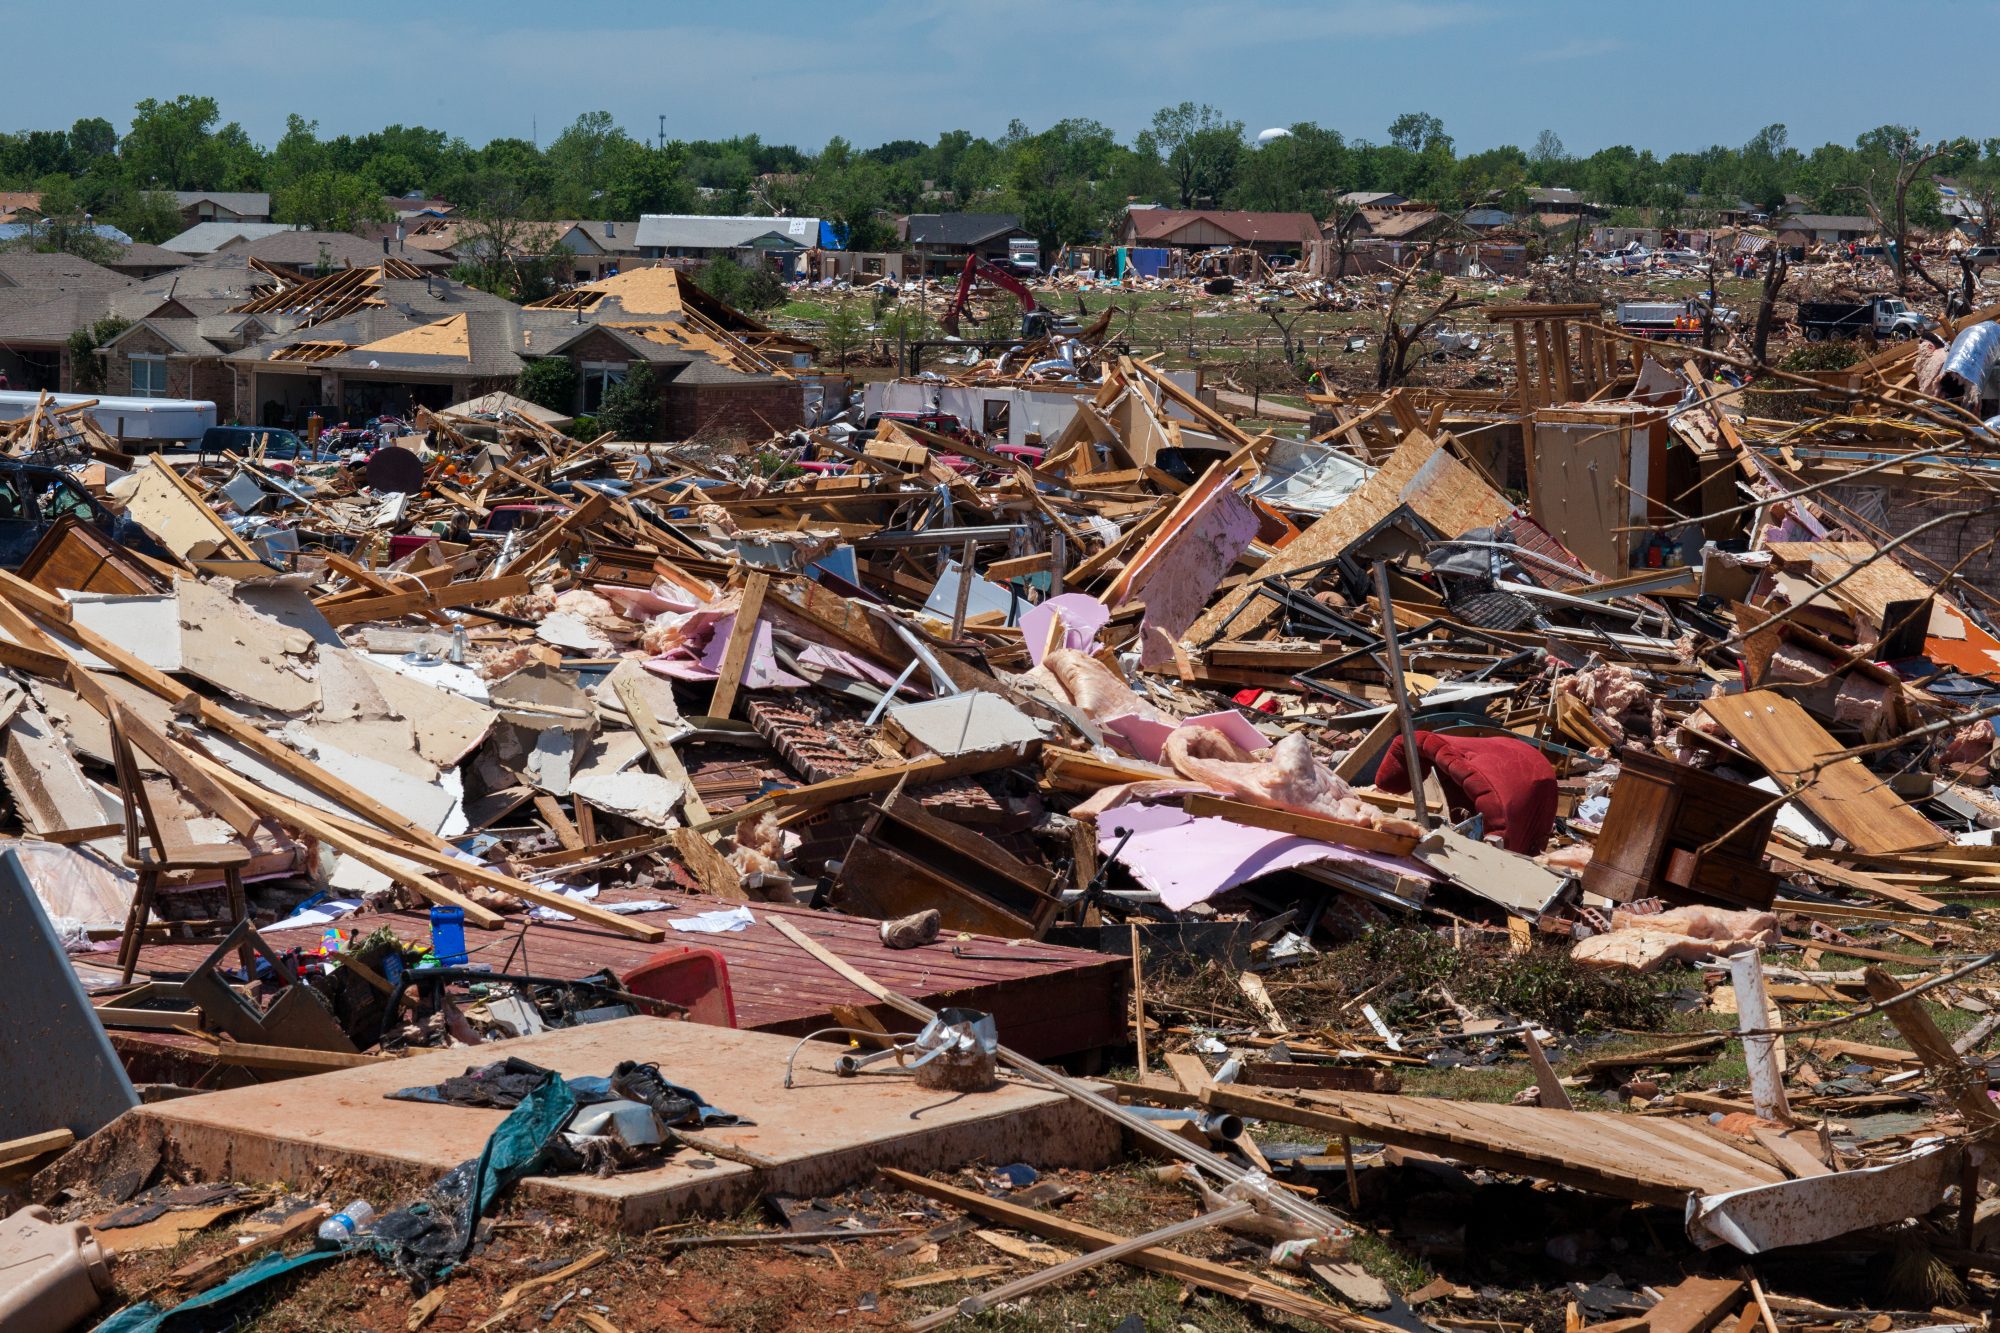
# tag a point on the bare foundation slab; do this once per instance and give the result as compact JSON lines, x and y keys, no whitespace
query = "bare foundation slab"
{"x":819,"y":1136}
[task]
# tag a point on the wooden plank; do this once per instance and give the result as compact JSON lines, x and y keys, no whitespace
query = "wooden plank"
{"x":1842,"y":793}
{"x":1302,"y":826}
{"x":1195,"y":1272}
{"x":1792,"y":1154}
{"x":654,"y":738}
{"x":555,"y":534}
{"x":230,"y":539}
{"x":1955,"y":1081}
{"x":27,"y":1148}
{"x":742,"y":635}
{"x":709,"y":866}
{"x":251,"y":1055}
{"x":203,"y":1273}
{"x":1694,"y":1305}
{"x":424,"y":601}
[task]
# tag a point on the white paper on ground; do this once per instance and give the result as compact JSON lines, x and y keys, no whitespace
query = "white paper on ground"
{"x":714,"y":923}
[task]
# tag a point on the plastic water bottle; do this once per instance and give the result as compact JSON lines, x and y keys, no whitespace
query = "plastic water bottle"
{"x":349,"y":1222}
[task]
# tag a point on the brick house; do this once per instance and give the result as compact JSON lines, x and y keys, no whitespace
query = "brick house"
{"x":699,"y":395}
{"x":167,"y":358}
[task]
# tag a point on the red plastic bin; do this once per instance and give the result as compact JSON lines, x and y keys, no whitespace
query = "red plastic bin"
{"x":695,"y":978}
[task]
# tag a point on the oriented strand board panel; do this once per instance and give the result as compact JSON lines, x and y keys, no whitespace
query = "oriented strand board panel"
{"x":450,"y":336}
{"x":1846,"y":797}
{"x":1443,"y":491}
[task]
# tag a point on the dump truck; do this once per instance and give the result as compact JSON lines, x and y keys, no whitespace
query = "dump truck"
{"x":1670,"y":319}
{"x":1883,"y":316}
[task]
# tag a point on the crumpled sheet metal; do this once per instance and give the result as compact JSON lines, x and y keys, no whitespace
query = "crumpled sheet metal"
{"x":1972,"y":351}
{"x":1816,"y":1208}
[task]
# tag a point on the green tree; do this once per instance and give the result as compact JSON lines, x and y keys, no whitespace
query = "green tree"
{"x":549,"y":381}
{"x":631,"y":407}
{"x":509,"y":255}
{"x":750,"y":287}
{"x":842,"y":333}
{"x":1201,"y":150}
{"x":149,"y":216}
{"x":86,"y":366}
{"x":1295,"y":173}
{"x":1417,"y":132}
{"x":169,"y":143}
{"x":580,"y":161}
{"x":330,"y":201}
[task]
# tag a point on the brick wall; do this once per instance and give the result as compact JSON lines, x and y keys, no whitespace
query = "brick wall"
{"x":1897,"y":506}
{"x":206,"y":378}
{"x":732,"y":411}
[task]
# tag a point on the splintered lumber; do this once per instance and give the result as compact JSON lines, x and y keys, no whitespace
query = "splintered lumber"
{"x":1198,"y":1155}
{"x":866,"y":782}
{"x":418,"y":601}
{"x":742,"y":636}
{"x":665,"y":761}
{"x":552,"y":536}
{"x":252,"y":1055}
{"x":717,"y":875}
{"x":203,"y":1273}
{"x":1195,"y":1272}
{"x":1965,"y":1088}
{"x":514,"y":1294}
{"x":1840,"y":792}
{"x":1123,"y":1249}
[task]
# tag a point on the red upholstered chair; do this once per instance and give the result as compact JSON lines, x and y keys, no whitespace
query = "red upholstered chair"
{"x":1506,"y":780}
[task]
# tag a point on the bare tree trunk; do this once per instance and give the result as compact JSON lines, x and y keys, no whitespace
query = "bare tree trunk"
{"x":1708,"y":306}
{"x":1774,"y":278}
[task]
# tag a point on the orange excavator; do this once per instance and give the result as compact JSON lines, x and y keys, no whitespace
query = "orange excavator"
{"x":1036,"y":320}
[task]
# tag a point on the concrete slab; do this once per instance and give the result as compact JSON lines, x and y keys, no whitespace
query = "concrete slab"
{"x":821,"y":1135}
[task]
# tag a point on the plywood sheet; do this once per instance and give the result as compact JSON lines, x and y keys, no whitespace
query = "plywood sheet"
{"x":1420,"y":474}
{"x":1845,"y":796}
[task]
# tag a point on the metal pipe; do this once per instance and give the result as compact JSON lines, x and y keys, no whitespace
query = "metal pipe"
{"x":1215,"y":1124}
{"x":1411,"y":760}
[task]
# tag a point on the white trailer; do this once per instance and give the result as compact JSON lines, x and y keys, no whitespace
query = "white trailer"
{"x":140,"y":420}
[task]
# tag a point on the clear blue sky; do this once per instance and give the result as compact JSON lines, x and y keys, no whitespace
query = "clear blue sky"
{"x":800,"y":73}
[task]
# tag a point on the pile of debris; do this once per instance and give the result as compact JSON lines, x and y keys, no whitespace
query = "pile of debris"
{"x":1467,"y":839}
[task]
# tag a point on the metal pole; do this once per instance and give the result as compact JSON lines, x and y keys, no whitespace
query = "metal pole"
{"x":1411,"y":760}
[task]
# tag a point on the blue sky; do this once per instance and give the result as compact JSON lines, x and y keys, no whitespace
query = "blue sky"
{"x":800,"y":73}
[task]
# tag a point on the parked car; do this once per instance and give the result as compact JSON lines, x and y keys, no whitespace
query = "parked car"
{"x":34,"y":498}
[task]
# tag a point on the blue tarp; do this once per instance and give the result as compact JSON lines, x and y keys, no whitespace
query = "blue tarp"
{"x":210,"y":1310}
{"x":1147,"y":263}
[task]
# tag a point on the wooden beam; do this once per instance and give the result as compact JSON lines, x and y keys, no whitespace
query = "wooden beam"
{"x":654,"y":738}
{"x":1956,"y":1081}
{"x":16,"y":1151}
{"x":742,"y":636}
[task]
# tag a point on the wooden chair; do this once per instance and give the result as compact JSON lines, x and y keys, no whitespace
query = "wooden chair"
{"x":157,"y":844}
